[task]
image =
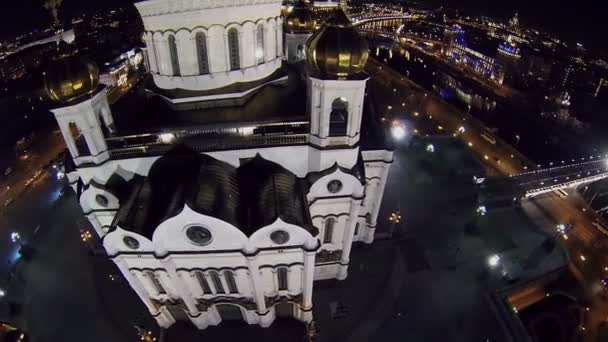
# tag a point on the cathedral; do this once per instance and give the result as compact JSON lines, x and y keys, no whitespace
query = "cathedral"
{"x":241,"y":171}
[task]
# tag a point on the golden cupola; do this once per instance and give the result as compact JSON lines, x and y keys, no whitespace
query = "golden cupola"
{"x":299,"y":19}
{"x":337,"y":50}
{"x":71,"y":77}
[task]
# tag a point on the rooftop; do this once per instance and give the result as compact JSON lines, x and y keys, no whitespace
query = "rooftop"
{"x":147,"y":112}
{"x":249,"y":197}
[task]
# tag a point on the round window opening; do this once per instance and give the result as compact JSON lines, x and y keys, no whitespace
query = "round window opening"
{"x":199,"y":235}
{"x":101,"y":200}
{"x":279,"y":237}
{"x":334,"y":186}
{"x":131,"y":242}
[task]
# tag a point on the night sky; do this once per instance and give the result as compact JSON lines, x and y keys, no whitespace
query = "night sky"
{"x":580,"y":20}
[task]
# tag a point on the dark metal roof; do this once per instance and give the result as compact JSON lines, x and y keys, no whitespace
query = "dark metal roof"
{"x":270,"y":191}
{"x":249,"y":197}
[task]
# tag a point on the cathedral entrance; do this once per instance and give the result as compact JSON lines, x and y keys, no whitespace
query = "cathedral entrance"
{"x":284,"y":310}
{"x":229,"y":312}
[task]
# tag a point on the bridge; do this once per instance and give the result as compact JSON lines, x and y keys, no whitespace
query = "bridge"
{"x":500,"y":191}
{"x":396,"y":19}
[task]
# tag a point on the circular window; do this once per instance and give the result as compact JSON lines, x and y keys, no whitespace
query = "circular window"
{"x":101,"y":200}
{"x":199,"y":235}
{"x":334,"y":186}
{"x":131,"y":242}
{"x":279,"y":237}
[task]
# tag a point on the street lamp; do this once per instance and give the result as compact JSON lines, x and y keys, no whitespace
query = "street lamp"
{"x":493,"y":260}
{"x":481,"y":210}
{"x":15,"y":236}
{"x":430,"y":148}
{"x":398,"y":130}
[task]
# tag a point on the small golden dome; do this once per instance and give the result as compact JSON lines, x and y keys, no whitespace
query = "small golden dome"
{"x":337,"y":50}
{"x":71,"y":77}
{"x":299,"y":19}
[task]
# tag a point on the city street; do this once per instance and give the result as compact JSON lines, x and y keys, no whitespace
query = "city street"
{"x":423,"y":114}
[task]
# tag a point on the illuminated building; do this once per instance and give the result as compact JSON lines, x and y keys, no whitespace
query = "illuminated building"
{"x":237,"y":179}
{"x":459,"y":50}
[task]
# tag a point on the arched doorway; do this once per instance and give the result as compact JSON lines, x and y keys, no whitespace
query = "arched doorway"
{"x":229,"y":312}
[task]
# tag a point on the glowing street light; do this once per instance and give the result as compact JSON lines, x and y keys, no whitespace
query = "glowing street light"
{"x":398,"y":130}
{"x":493,"y":260}
{"x":15,"y":236}
{"x":430,"y":148}
{"x":481,"y":210}
{"x":395,"y":217}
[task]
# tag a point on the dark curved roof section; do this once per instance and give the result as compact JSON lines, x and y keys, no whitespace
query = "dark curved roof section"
{"x":216,"y":192}
{"x":249,"y":197}
{"x":269,"y":191}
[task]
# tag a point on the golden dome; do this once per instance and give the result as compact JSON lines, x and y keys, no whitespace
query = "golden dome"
{"x":299,"y":19}
{"x":71,"y":77}
{"x":337,"y":50}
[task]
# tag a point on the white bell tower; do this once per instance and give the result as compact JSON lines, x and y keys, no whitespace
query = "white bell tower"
{"x":336,"y":56}
{"x":84,"y":117}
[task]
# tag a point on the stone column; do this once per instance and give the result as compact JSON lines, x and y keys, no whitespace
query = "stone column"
{"x":347,"y":240}
{"x":258,"y":291}
{"x":307,"y":280}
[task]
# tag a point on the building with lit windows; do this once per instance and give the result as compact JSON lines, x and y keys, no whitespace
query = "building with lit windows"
{"x":472,"y":54}
{"x":233,"y":180}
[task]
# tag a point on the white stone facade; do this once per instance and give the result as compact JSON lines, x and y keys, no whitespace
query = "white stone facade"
{"x":258,"y":55}
{"x":232,"y":275}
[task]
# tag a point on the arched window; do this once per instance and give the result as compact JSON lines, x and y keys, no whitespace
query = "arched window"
{"x":156,"y":282}
{"x":231,"y":282}
{"x":300,"y":54}
{"x":104,"y":128}
{"x":329,"y":230}
{"x":173,"y":54}
{"x":259,"y":44}
{"x":282,"y":279}
{"x":338,"y":118}
{"x":201,"y":51}
{"x":202,"y":281}
{"x":217,"y":282}
{"x":233,"y":49}
{"x":79,"y":140}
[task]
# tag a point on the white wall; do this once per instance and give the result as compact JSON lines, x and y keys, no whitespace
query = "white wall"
{"x":185,"y":21}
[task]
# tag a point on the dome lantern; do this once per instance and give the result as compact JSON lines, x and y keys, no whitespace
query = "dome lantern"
{"x":337,"y":50}
{"x":70,"y":77}
{"x":299,"y":19}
